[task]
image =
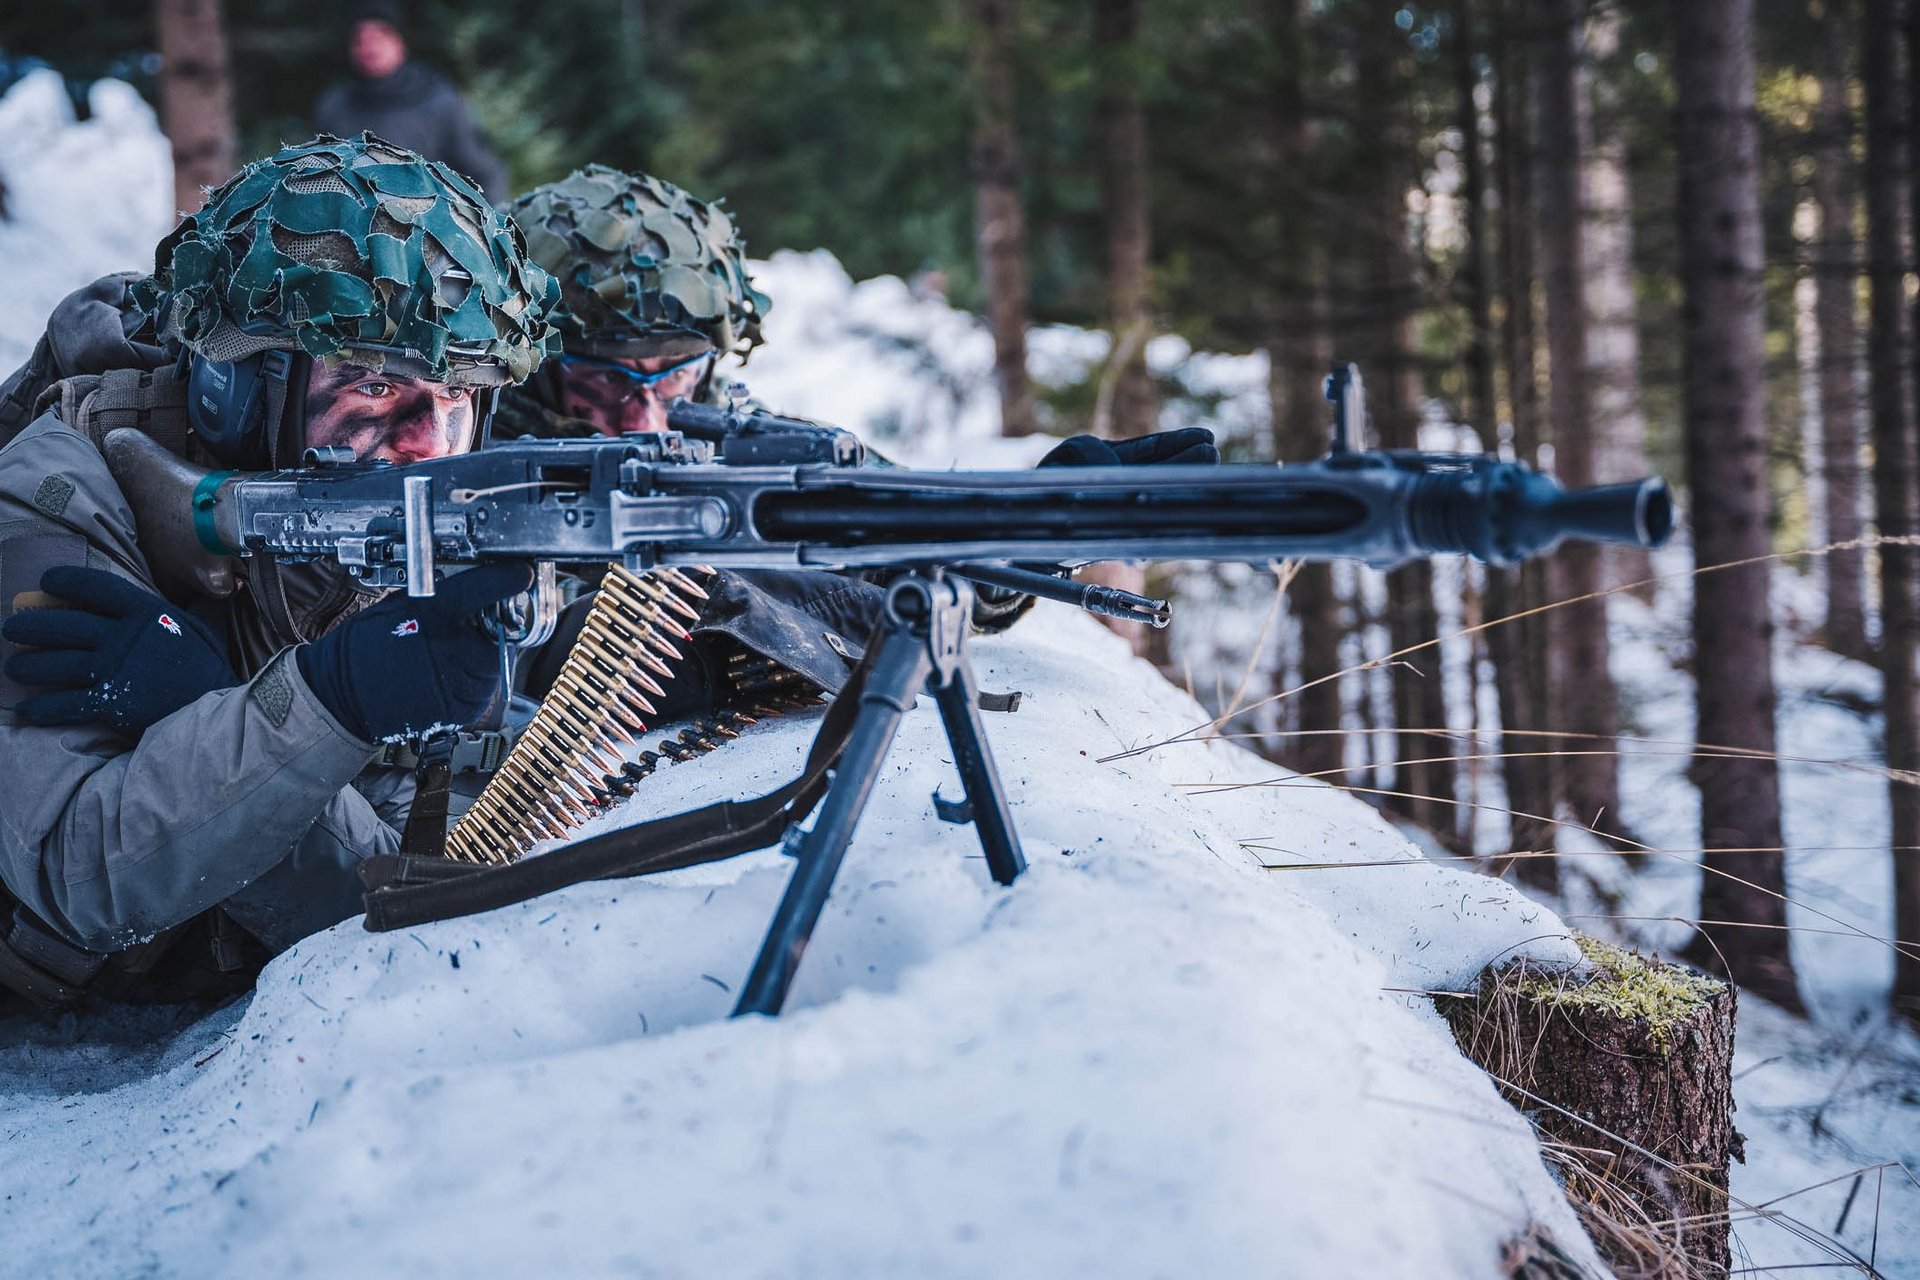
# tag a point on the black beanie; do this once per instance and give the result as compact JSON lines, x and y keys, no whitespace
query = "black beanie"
{"x":387,"y":11}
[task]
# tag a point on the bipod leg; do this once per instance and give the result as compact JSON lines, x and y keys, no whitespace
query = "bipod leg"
{"x":899,"y":673}
{"x":959,"y":705}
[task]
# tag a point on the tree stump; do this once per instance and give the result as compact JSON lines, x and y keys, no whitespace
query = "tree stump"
{"x":1626,"y":1069}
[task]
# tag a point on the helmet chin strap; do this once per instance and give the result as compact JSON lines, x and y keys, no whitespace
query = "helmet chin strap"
{"x":485,"y":401}
{"x":286,"y":419}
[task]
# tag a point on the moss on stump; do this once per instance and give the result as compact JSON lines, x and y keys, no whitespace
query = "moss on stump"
{"x":1625,"y":1067}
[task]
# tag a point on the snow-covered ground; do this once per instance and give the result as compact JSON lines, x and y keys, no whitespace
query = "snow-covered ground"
{"x":1148,"y":1057}
{"x":1151,"y":1056}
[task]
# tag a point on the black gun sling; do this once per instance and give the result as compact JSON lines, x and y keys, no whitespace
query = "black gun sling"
{"x":408,"y":889}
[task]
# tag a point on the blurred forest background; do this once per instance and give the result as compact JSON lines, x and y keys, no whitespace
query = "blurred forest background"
{"x":1612,"y":237}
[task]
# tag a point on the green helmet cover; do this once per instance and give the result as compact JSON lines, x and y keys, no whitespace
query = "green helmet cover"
{"x":358,"y":250}
{"x":644,"y":268}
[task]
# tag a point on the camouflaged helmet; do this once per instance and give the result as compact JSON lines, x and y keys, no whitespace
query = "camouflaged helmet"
{"x":342,"y":250}
{"x":644,"y":268}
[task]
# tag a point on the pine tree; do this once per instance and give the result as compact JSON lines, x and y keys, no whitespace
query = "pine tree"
{"x":196,"y":97}
{"x":1836,"y":277}
{"x":999,"y":219}
{"x":1126,"y":405}
{"x":1583,"y":690}
{"x":1742,"y":905}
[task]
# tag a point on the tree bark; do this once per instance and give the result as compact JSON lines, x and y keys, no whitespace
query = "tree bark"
{"x":1518,"y":649}
{"x":1628,"y":1069}
{"x":1836,"y":278}
{"x":1121,"y":126}
{"x":1483,"y":410}
{"x":1900,"y":628}
{"x":1300,"y":417}
{"x":1726,"y":446}
{"x":1613,"y":310}
{"x":999,"y":220}
{"x":196,"y":97}
{"x":1893,"y":453}
{"x":1298,"y":357}
{"x":1425,"y":784}
{"x":1583,"y":689}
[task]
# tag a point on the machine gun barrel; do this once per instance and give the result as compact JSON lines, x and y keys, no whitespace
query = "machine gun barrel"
{"x":652,"y":500}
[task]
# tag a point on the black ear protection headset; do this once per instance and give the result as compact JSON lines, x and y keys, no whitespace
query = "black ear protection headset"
{"x":250,"y":413}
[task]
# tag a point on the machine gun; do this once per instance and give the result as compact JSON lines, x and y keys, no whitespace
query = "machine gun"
{"x":787,"y":494}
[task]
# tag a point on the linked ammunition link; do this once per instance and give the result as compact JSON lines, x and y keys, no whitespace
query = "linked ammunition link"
{"x":572,"y":761}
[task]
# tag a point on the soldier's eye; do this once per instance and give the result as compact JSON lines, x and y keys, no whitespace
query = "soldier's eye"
{"x":375,"y":389}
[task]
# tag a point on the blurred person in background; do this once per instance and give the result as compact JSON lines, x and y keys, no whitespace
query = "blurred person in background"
{"x":404,"y":100}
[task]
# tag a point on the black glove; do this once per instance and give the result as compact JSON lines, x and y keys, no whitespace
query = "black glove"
{"x":408,"y":666}
{"x":122,"y":656}
{"x":1188,"y":444}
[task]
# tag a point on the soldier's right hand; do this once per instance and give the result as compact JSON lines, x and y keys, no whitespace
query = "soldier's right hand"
{"x":408,"y":667}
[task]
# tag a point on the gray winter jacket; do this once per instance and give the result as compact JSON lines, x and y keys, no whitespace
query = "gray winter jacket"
{"x":420,"y":109}
{"x":242,"y":798}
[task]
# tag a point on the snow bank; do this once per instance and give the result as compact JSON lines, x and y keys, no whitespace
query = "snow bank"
{"x":1151,"y":1056}
{"x":84,"y":198}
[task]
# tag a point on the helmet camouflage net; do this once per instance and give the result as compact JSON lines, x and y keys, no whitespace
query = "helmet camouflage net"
{"x":644,"y":268}
{"x":361,"y":251}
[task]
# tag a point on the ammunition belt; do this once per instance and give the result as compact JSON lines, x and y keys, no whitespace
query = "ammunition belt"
{"x":583,"y":749}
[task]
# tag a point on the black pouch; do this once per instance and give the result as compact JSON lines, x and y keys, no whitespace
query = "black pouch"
{"x":23,"y":562}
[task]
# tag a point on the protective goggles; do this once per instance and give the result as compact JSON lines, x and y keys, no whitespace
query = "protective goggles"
{"x":624,"y":383}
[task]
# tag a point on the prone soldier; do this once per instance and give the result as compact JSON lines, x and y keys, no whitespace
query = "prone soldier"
{"x":188,"y":773}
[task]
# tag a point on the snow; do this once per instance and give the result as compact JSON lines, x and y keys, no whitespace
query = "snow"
{"x":1181,"y":1044}
{"x":1150,"y":1056}
{"x":84,"y":199}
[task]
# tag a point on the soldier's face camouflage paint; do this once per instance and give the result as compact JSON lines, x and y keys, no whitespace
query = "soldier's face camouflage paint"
{"x":385,"y":417}
{"x":617,"y":403}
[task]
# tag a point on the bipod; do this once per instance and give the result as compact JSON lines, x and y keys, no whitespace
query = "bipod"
{"x":921,"y":646}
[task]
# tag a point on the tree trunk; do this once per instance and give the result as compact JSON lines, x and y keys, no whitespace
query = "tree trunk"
{"x":1894,"y":483}
{"x":1613,"y":312}
{"x":1298,"y":357}
{"x":1836,"y":278}
{"x":1121,"y":126}
{"x":1483,"y":410}
{"x":1583,"y":689}
{"x":1631,"y":1060}
{"x":1300,"y":417}
{"x":1726,"y":445}
{"x":1393,"y":383}
{"x":1483,"y":400}
{"x":1518,"y":648}
{"x":999,"y":219}
{"x":196,"y":97}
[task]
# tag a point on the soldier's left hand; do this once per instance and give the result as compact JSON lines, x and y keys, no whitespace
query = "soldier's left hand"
{"x":119,"y":656}
{"x":1188,"y":444}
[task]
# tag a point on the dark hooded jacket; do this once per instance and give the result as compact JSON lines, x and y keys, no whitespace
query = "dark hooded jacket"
{"x":420,"y":109}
